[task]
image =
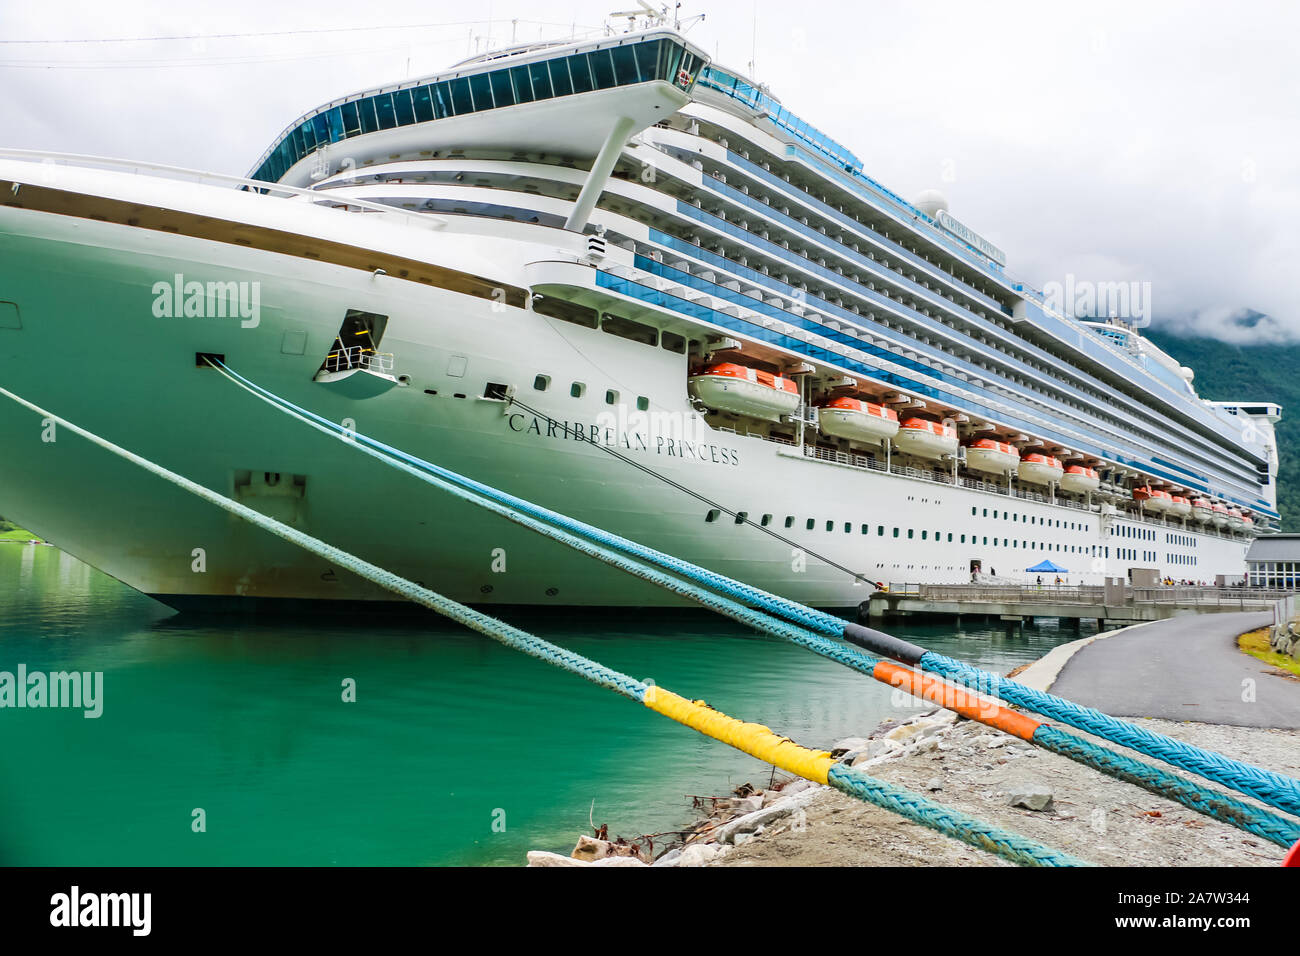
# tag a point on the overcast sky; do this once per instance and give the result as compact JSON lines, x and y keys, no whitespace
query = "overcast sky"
{"x":1115,"y":141}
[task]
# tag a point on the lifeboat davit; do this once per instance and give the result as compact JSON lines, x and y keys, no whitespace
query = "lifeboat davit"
{"x":1080,"y":479}
{"x":729,"y":387}
{"x":992,"y":457}
{"x":1220,"y":514}
{"x":857,"y":420}
{"x":1201,"y":510}
{"x":1180,"y":507}
{"x":1236,"y":520}
{"x":1040,"y":469}
{"x":926,"y":439}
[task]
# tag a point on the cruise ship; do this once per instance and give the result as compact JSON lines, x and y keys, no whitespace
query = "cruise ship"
{"x":615,"y":278}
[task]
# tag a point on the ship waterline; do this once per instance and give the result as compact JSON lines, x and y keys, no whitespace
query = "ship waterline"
{"x":534,"y":318}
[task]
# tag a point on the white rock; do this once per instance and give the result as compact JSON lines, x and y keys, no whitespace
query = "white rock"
{"x":849,"y":743}
{"x":671,"y":858}
{"x":748,"y":804}
{"x":698,"y":854}
{"x":620,"y":861}
{"x":546,"y":858}
{"x":934,"y":784}
{"x":1031,"y":794}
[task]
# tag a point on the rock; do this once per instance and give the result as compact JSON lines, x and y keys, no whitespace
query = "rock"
{"x":620,"y":861}
{"x":753,"y":821}
{"x":997,"y":742}
{"x":698,"y":854}
{"x":1031,"y":794}
{"x":798,"y":785}
{"x":590,"y":849}
{"x":902,"y":734}
{"x":929,"y":730}
{"x":847,"y":744}
{"x":745,"y":805}
{"x":546,"y":858}
{"x":934,"y":784}
{"x":670,"y":858}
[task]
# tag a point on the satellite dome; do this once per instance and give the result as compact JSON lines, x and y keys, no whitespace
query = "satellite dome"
{"x":930,"y":202}
{"x":1186,"y":373}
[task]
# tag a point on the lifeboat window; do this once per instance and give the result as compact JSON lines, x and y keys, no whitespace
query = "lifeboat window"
{"x":911,"y":533}
{"x":963,"y":539}
{"x":712,"y":515}
{"x":924,"y":535}
{"x":576,"y":389}
{"x":848,"y":527}
{"x":611,"y":397}
{"x":973,"y":509}
{"x":627,"y":329}
{"x":880,"y":530}
{"x":895,"y":532}
{"x":566,"y":311}
{"x":950,"y":537}
{"x":673,"y":342}
{"x":830,"y":526}
{"x":642,"y":403}
{"x":542,"y":382}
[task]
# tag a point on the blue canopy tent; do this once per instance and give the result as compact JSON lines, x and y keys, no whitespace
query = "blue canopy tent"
{"x":1048,"y":567}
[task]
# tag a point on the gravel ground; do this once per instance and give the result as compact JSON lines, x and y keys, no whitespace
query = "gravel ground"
{"x":1092,"y":816}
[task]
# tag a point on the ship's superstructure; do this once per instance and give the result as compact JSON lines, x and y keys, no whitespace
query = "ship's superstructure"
{"x":629,"y":283}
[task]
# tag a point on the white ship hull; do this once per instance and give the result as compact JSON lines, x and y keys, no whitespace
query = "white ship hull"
{"x":90,"y":349}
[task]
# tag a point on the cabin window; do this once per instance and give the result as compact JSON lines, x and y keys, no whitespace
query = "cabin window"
{"x":895,"y":532}
{"x":642,"y":404}
{"x":789,"y":521}
{"x":576,"y":389}
{"x":611,"y":397}
{"x":673,"y":342}
{"x":712,"y":515}
{"x":541,"y":383}
{"x":880,"y":530}
{"x":742,"y":517}
{"x":627,"y":329}
{"x":811,"y":524}
{"x":566,"y":311}
{"x":767,"y":520}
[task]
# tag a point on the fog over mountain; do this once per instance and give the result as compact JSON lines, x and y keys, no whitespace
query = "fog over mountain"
{"x":1153,"y":142}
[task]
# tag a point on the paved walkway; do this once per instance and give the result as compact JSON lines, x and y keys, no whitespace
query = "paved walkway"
{"x":1185,"y":668}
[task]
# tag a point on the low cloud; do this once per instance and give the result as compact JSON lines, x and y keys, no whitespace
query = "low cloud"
{"x":1236,"y":327}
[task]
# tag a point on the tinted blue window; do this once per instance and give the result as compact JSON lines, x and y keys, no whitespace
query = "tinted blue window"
{"x":580,"y":71}
{"x":460,"y":100}
{"x":335,"y":120}
{"x":480,"y":88}
{"x":384,"y":110}
{"x":602,"y":69}
{"x":625,"y":70}
{"x":442,"y":100}
{"x":402,"y":107}
{"x":541,"y":80}
{"x":647,"y":59}
{"x":320,"y":126}
{"x":351,"y":121}
{"x":560,"y":81}
{"x":502,"y":93}
{"x":366,"y":109}
{"x":422,"y":100}
{"x":523,"y":84}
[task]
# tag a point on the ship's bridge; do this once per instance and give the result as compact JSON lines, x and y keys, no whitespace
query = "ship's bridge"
{"x":561,"y":99}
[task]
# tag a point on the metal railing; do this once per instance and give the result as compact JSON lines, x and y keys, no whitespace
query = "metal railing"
{"x":357,"y":357}
{"x":1091,"y":594}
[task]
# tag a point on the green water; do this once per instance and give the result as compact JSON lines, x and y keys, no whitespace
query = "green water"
{"x":451,"y":736}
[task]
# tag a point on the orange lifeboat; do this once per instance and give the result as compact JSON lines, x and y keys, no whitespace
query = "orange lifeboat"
{"x":1201,"y":510}
{"x":857,"y":420}
{"x":1038,"y":469}
{"x":1236,"y":520}
{"x":1180,"y":507}
{"x":1153,"y":499}
{"x":1080,"y":479}
{"x":729,"y":387}
{"x":1220,"y":514}
{"x":992,"y":457}
{"x":926,"y":439}
{"x":1247,"y":524}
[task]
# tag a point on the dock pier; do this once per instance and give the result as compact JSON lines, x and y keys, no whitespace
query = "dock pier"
{"x":1111,"y":605}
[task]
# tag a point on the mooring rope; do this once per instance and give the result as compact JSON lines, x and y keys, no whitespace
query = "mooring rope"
{"x":1158,"y":781}
{"x":754,"y":739}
